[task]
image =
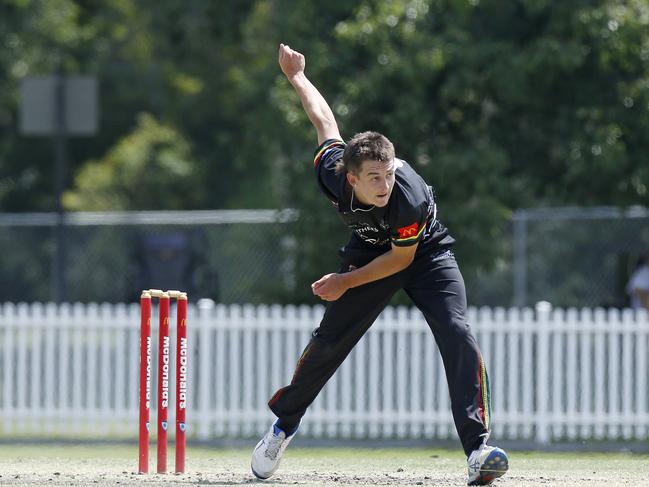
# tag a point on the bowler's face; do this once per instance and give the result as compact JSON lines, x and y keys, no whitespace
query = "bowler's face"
{"x":374,"y":182}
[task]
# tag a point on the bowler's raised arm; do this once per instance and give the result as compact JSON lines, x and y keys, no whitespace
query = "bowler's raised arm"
{"x":314,"y":104}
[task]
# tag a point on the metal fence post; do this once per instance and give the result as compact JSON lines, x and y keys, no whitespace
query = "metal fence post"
{"x":543,"y":330}
{"x":519,"y":220}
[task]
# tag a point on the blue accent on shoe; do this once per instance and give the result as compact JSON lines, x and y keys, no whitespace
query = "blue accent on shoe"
{"x":492,"y":467}
{"x":277,"y":430}
{"x":496,"y":461}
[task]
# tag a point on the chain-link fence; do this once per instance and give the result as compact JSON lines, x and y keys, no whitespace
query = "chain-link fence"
{"x":568,"y":256}
{"x":577,"y":256}
{"x":229,"y":256}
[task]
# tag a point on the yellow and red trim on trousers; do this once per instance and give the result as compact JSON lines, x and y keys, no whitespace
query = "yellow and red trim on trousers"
{"x":485,"y":394}
{"x":300,"y":362}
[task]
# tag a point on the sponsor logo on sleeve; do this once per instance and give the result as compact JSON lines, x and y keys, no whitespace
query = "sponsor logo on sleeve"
{"x":409,"y":231}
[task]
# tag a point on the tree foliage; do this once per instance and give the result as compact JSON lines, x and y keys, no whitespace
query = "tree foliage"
{"x":498,"y":105}
{"x":148,"y":169}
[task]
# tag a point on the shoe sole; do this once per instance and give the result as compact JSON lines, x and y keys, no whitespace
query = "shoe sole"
{"x":495,"y":466}
{"x":260,"y":477}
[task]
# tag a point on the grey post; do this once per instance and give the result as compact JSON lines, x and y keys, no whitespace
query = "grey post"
{"x":520,"y":258}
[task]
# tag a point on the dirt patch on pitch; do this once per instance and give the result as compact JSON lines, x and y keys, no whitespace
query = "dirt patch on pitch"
{"x":72,"y":473}
{"x":53,"y":466}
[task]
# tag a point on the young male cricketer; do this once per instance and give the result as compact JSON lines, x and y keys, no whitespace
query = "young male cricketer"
{"x":397,"y":242}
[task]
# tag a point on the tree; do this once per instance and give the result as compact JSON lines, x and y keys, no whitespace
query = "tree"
{"x":499,"y":106}
{"x":152,"y":168}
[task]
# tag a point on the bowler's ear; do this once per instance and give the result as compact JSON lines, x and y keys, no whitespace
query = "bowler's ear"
{"x":352,"y":178}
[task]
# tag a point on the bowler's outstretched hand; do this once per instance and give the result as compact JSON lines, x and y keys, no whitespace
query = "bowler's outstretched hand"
{"x":291,"y":62}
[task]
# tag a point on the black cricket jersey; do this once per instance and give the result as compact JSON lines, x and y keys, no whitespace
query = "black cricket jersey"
{"x":410,"y":216}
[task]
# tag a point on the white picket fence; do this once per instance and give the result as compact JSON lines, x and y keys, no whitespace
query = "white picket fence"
{"x":71,"y":371}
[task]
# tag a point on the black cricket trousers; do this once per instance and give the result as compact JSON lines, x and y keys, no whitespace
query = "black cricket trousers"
{"x":435,"y":285}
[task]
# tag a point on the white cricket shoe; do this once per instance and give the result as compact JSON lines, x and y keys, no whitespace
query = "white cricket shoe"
{"x":486,"y":464}
{"x":268,"y":452}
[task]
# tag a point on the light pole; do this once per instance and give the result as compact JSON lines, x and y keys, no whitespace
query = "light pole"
{"x":59,"y":106}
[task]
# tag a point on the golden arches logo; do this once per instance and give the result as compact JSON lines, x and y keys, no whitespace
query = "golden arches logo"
{"x":166,"y":321}
{"x":182,"y":323}
{"x":408,"y":231}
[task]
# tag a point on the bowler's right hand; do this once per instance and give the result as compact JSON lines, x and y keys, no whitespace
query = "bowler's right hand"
{"x":329,"y":287}
{"x":291,"y":62}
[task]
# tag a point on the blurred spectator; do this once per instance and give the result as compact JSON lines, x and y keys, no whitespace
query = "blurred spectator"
{"x":638,"y":286}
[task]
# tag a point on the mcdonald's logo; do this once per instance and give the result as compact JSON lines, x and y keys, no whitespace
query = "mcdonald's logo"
{"x":182,"y":323}
{"x":409,"y":231}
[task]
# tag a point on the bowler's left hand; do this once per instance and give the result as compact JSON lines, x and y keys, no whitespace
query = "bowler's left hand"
{"x":329,"y":287}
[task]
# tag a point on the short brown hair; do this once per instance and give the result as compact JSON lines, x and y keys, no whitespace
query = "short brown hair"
{"x":366,"y":146}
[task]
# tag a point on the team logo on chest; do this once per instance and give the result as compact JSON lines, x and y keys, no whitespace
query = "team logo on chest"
{"x":368,"y":233}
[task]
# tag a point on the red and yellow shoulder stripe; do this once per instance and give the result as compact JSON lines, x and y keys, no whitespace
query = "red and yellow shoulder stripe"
{"x":411,"y":233}
{"x":326,"y":146}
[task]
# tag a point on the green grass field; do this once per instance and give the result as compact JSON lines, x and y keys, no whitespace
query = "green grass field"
{"x":66,"y":465}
